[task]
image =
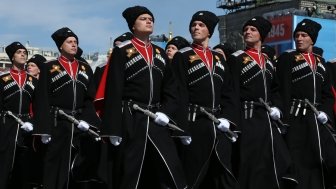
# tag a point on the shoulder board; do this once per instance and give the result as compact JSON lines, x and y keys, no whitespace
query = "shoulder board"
{"x":124,"y":43}
{"x":290,"y":50}
{"x":4,"y":73}
{"x":185,"y":49}
{"x":48,"y":61}
{"x":237,"y":53}
{"x":83,"y":62}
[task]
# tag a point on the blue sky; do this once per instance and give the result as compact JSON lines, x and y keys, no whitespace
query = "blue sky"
{"x":94,"y":21}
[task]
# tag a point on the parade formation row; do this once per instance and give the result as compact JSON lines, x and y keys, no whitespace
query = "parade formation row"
{"x":188,"y":116}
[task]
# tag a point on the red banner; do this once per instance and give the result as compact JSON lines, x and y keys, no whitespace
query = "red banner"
{"x":281,"y":29}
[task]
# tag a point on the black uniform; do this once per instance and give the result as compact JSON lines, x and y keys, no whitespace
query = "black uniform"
{"x":310,"y":143}
{"x":264,"y":158}
{"x":208,"y":86}
{"x":15,"y":143}
{"x":71,"y":89}
{"x":134,"y":79}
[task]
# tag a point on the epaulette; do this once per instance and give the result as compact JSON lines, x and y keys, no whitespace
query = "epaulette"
{"x":332,"y":61}
{"x":3,"y":73}
{"x":237,"y":53}
{"x":48,"y":61}
{"x":185,"y":49}
{"x":122,"y":44}
{"x":290,"y":50}
{"x":84,"y":62}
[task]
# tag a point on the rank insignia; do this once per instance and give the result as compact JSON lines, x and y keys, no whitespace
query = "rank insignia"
{"x":55,"y":68}
{"x":298,"y":58}
{"x":131,"y":51}
{"x":246,"y":59}
{"x":192,"y":58}
{"x":7,"y":78}
{"x":157,"y":51}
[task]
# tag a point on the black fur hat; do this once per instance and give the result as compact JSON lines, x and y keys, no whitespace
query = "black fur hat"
{"x":263,"y":26}
{"x":124,"y":37}
{"x":208,"y":18}
{"x":12,"y":48}
{"x":179,"y":42}
{"x":310,"y":27}
{"x":61,"y":35}
{"x":132,"y":13}
{"x":37,"y":59}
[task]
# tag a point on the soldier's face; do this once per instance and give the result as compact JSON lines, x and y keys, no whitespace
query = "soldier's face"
{"x":143,"y":25}
{"x":303,"y":42}
{"x":32,"y":69}
{"x":69,"y":46}
{"x":251,"y":35}
{"x":20,"y":56}
{"x":199,"y":31}
{"x":171,"y":50}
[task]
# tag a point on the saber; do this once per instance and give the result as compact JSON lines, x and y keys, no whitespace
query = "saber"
{"x":316,"y":112}
{"x":75,"y":121}
{"x":17,"y":119}
{"x":233,"y":136}
{"x":268,"y":108}
{"x":153,"y":116}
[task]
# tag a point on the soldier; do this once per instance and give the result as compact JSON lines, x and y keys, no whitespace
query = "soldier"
{"x":100,"y":74}
{"x":16,"y":95}
{"x":174,"y":45}
{"x":204,"y":83}
{"x":34,"y":63}
{"x":139,"y":74}
{"x":264,"y":158}
{"x":304,"y":86}
{"x":65,"y":85}
{"x":225,"y":49}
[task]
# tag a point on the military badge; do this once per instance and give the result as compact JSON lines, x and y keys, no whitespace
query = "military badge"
{"x":55,"y":68}
{"x":246,"y":59}
{"x":131,"y":51}
{"x":298,"y":58}
{"x":7,"y":78}
{"x":192,"y":58}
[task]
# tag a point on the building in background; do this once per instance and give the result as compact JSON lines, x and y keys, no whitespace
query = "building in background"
{"x":284,"y":15}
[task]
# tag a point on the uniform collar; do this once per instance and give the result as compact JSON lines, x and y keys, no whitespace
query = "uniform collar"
{"x":199,"y":47}
{"x":140,"y":43}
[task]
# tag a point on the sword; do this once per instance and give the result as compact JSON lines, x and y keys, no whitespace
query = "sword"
{"x":316,"y":112}
{"x":232,"y":135}
{"x":153,"y":116}
{"x":268,"y":108}
{"x":17,"y":119}
{"x":75,"y":121}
